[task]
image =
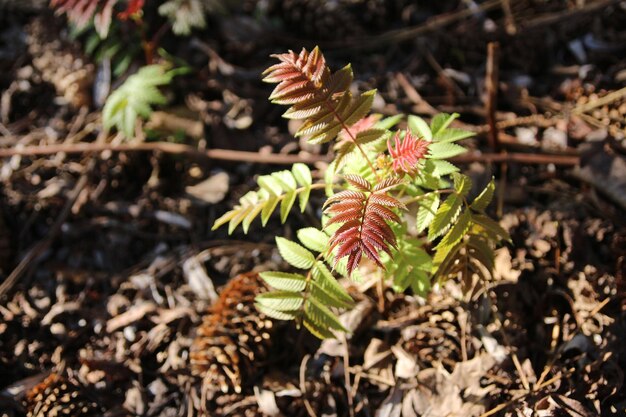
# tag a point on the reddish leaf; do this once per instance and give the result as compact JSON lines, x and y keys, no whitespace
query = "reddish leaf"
{"x":364,"y":217}
{"x":407,"y":154}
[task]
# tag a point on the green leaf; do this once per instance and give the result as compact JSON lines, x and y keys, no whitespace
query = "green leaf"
{"x":319,"y":314}
{"x":441,"y":121}
{"x":225,"y":218}
{"x":295,"y":254}
{"x":493,"y":229}
{"x":313,"y":239}
{"x":304,"y":198}
{"x":285,"y":179}
{"x":481,"y":202}
{"x":324,"y":297}
{"x":329,"y":178}
{"x":252,"y":214}
{"x":389,"y":122}
{"x":457,"y":232}
{"x":441,"y":167}
{"x":317,"y":330}
{"x":446,"y":215}
{"x":426,"y":213}
{"x":275,"y":314}
{"x":482,"y":252}
{"x":444,"y":256}
{"x":420,"y":284}
{"x":135,"y":98}
{"x":268,"y":208}
{"x":325,"y":279}
{"x":359,"y":107}
{"x":270,"y":184}
{"x":462,"y":184}
{"x":418,"y":126}
{"x":284,"y":281}
{"x":370,"y":135}
{"x":287,"y":204}
{"x":444,"y":150}
{"x":238,"y":218}
{"x":302,"y":174}
{"x":452,"y":135}
{"x":284,"y":301}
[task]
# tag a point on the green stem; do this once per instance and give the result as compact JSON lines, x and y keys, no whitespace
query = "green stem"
{"x":421,"y":197}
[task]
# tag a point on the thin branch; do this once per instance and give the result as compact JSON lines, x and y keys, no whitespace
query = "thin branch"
{"x":278,"y":159}
{"x":166,"y":147}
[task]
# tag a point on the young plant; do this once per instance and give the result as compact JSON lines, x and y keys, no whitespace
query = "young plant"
{"x":136,"y":97}
{"x":382,"y":178}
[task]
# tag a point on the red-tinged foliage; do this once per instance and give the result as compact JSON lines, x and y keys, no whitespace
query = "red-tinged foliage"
{"x":364,"y":214}
{"x":299,"y":76}
{"x":133,"y":8}
{"x":407,"y":153}
{"x":362,"y":125}
{"x":80,"y":12}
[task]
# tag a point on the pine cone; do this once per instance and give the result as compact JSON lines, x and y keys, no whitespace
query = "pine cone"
{"x":57,"y":396}
{"x":233,"y":339}
{"x":60,"y":63}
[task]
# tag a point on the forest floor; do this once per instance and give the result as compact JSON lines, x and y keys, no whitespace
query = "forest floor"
{"x":108,"y":263}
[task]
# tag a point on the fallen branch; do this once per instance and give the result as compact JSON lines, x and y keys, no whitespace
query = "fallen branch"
{"x":278,"y":159}
{"x":166,"y":147}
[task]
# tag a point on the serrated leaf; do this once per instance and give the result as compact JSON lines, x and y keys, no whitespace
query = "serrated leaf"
{"x":135,"y":97}
{"x":452,"y":135}
{"x":442,"y":167}
{"x":462,"y":184}
{"x":270,"y":184}
{"x":441,"y":121}
{"x":492,"y":227}
{"x":457,"y":231}
{"x":420,"y":284}
{"x":326,"y":280}
{"x":324,"y":297}
{"x":275,"y":314}
{"x":284,"y":281}
{"x":286,"y":205}
{"x":446,"y":215}
{"x":317,"y":330}
{"x":238,"y":218}
{"x":225,"y":218}
{"x":481,"y":202}
{"x":295,"y":254}
{"x":426,"y":213}
{"x":284,"y":301}
{"x":389,"y":122}
{"x":321,"y":315}
{"x":285,"y":179}
{"x":268,"y":208}
{"x":370,"y":135}
{"x":359,"y":107}
{"x":252,"y":214}
{"x":313,"y":239}
{"x":302,"y":174}
{"x":482,"y":252}
{"x":445,"y":150}
{"x":401,"y":279}
{"x":444,"y":256}
{"x":304,"y":198}
{"x":418,"y":126}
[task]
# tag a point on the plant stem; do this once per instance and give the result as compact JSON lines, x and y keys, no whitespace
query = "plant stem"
{"x":346,"y":128}
{"x":420,"y":197}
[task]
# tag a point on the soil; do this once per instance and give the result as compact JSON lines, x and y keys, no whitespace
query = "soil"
{"x":110,"y":272}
